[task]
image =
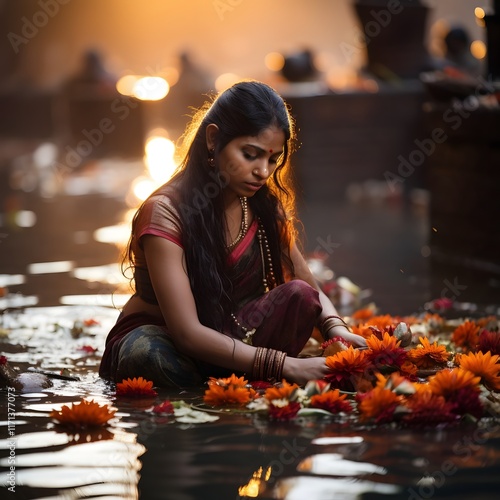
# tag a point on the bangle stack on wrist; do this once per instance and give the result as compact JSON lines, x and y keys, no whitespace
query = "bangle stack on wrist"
{"x":268,"y":364}
{"x":331,"y":322}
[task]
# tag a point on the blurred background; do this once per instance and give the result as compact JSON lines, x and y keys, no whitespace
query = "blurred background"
{"x":396,"y":104}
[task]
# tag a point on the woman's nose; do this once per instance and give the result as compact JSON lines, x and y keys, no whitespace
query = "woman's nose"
{"x":262,"y":170}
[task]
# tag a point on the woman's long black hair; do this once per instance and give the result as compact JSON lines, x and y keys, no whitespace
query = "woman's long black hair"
{"x":245,"y":109}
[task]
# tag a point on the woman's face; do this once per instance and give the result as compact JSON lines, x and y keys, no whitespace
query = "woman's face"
{"x":247,"y":162}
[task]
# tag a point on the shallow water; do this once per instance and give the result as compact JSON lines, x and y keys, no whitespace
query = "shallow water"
{"x":240,"y":455}
{"x":139,"y":455}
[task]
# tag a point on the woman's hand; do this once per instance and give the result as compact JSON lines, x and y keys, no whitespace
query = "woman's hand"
{"x":342,"y":331}
{"x":301,"y":370}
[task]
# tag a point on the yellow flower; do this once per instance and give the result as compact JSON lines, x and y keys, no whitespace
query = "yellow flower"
{"x":232,"y":390}
{"x":426,"y":355}
{"x":83,"y":415}
{"x":482,"y":365}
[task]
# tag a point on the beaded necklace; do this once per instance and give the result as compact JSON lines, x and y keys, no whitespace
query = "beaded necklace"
{"x":265,"y":254}
{"x":244,"y":222}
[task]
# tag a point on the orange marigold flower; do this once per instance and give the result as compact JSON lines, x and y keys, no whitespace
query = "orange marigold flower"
{"x":395,"y":382}
{"x":409,"y":369}
{"x":428,"y":409}
{"x":484,"y":365}
{"x":385,"y":351}
{"x":347,"y":367}
{"x":228,"y":391}
{"x":363,"y":314}
{"x":427,"y":355}
{"x":281,"y":391}
{"x":331,"y":401}
{"x":447,"y":382}
{"x":83,"y":415}
{"x":466,"y":335}
{"x":487,"y":322}
{"x":135,"y":387}
{"x":378,"y":405}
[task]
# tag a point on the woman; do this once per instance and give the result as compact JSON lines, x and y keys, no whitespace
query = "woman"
{"x":220,"y":284}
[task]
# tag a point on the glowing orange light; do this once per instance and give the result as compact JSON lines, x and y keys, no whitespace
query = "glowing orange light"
{"x":478,"y":49}
{"x":225,"y":81}
{"x":274,"y":61}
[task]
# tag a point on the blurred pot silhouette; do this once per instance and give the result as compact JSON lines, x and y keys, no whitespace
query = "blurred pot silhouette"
{"x":394,"y":34}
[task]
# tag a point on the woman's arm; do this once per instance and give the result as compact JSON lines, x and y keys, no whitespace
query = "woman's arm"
{"x":166,"y":265}
{"x":303,"y":272}
{"x":171,"y":284}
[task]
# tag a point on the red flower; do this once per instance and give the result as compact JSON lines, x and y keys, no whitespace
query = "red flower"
{"x":442,"y":304}
{"x":136,"y":387}
{"x":331,"y":401}
{"x":285,"y":411}
{"x":489,"y":342}
{"x":466,"y":401}
{"x":260,"y":385}
{"x":164,"y":408}
{"x":88,"y":348}
{"x":428,"y":409}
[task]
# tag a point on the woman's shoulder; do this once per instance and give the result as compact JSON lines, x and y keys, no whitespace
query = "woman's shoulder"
{"x":165,"y":197}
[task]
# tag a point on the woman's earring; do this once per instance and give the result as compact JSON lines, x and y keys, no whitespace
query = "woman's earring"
{"x":211,"y":158}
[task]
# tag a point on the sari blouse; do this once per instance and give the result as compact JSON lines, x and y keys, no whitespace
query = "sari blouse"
{"x":159,"y":217}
